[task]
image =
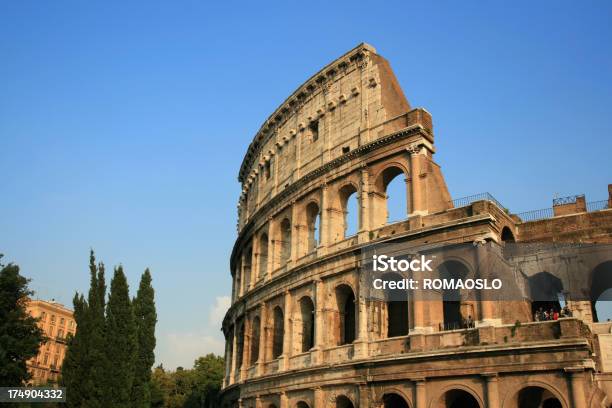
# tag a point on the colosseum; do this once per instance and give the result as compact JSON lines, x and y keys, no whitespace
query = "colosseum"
{"x":303,"y":329}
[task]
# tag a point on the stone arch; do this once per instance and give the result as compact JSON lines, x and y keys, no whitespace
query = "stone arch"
{"x":457,"y":396}
{"x":263,"y":255}
{"x":544,"y":291}
{"x":346,"y":321}
{"x":255,"y":335}
{"x":247,"y":267}
{"x":313,"y":225}
{"x":307,"y":321}
{"x":395,"y":399}
{"x":381,"y":198}
{"x":507,"y":235}
{"x":351,"y":220}
{"x":285,"y":240}
{"x":397,"y":304}
{"x":511,"y":398}
{"x":278,"y":332}
{"x":342,"y":401}
{"x":601,"y":285}
{"x":239,"y":344}
{"x":302,"y":404}
{"x":453,"y":315}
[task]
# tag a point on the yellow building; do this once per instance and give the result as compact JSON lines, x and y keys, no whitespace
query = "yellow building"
{"x":57,"y":322}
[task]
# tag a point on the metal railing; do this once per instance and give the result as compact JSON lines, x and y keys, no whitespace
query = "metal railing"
{"x":546,"y":213}
{"x":567,"y":200}
{"x":465,"y":201}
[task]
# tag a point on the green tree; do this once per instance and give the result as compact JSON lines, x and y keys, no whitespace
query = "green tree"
{"x":146,"y":318}
{"x":20,"y":337}
{"x":85,"y":365}
{"x":121,"y":343}
{"x":208,"y":372}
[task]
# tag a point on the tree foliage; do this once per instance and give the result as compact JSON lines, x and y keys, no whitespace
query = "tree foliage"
{"x":20,"y":337}
{"x":196,"y":387}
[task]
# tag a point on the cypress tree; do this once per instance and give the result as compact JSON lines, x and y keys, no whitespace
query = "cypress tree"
{"x":146,"y":318}
{"x":121,"y":343}
{"x":83,"y":371}
{"x":73,"y":367}
{"x":20,"y":337}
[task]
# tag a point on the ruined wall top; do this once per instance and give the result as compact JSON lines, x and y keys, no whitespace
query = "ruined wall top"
{"x":345,"y":105}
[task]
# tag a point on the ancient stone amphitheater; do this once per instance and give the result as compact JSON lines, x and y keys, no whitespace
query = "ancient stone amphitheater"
{"x":301,"y":331}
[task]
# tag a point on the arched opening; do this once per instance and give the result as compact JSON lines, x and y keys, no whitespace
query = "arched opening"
{"x":263,"y":255}
{"x":302,"y":404}
{"x":271,"y":406}
{"x":239,"y":344}
{"x":397,"y":307}
{"x":537,"y":397}
{"x":392,"y":182}
{"x":459,"y":399}
{"x":313,"y":221}
{"x":255,"y":340}
{"x":601,"y":292}
{"x":345,"y":299}
{"x":285,"y":244}
{"x":394,"y":401}
{"x":278,"y":332}
{"x":350,"y":209}
{"x":344,"y":402}
{"x":507,"y":235}
{"x":546,"y":291}
{"x":248,"y":259}
{"x":451,"y":298}
{"x":307,"y":314}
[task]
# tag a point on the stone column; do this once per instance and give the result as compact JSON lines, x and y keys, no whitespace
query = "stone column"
{"x":415,"y":184}
{"x":319,"y":342}
{"x":364,"y":204}
{"x":577,"y":386}
{"x":487,"y":306}
{"x":319,"y":398}
{"x":364,"y":400}
{"x":288,"y":332}
{"x":271,"y":249}
{"x":284,"y":400}
{"x":246,"y":348}
{"x":234,"y":354}
{"x":228,"y":363}
{"x":295,"y":236}
{"x":361,"y":343}
{"x":421,"y":393}
{"x":418,"y":306}
{"x":492,"y":390}
{"x":263,"y":335}
{"x":258,"y":403}
{"x":240,"y":403}
{"x":324,"y":224}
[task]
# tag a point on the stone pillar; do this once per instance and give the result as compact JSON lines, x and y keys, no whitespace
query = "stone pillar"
{"x":240,"y":403}
{"x":319,"y":398}
{"x":415,"y":182}
{"x":258,"y":403}
{"x":418,"y":307}
{"x":364,"y":399}
{"x":577,"y":386}
{"x":488,"y":313}
{"x":271,"y":249}
{"x":295,"y":236}
{"x":421,"y":393}
{"x":284,"y":400}
{"x":492,"y":390}
{"x":364,"y":207}
{"x":228,"y":363}
{"x":361,"y":343}
{"x":288,"y":332}
{"x":246,"y":348}
{"x":324,"y":224}
{"x":263,"y":335}
{"x":234,"y":354}
{"x":319,"y":342}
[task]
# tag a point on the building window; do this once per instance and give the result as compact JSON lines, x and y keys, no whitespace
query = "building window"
{"x":71,"y":324}
{"x":314,"y":130}
{"x":43,"y":317}
{"x":62,"y":321}
{"x":60,"y":333}
{"x":46,"y":359}
{"x":52,"y":319}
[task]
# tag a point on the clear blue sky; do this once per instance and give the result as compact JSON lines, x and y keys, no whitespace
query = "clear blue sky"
{"x":123,"y":124}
